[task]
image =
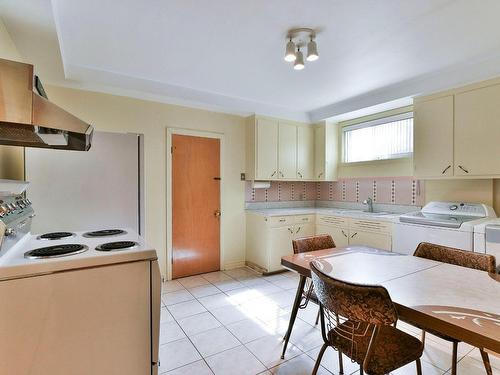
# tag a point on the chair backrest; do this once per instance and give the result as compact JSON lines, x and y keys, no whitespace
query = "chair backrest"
{"x":312,"y":243}
{"x":369,"y":304}
{"x":463,"y":258}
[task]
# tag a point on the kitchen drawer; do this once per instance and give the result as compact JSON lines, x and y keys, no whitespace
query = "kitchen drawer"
{"x":371,"y":226}
{"x":300,"y":219}
{"x":337,"y":221}
{"x":279,"y":221}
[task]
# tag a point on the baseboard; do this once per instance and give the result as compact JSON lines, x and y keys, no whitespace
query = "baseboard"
{"x":233,"y":265}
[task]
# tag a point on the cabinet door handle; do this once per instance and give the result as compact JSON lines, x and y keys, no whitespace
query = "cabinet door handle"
{"x":345,"y":235}
{"x":281,"y":174}
{"x":321,"y":174}
{"x":290,"y":230}
{"x":273,"y":174}
{"x":298,"y":230}
{"x":354,"y":235}
{"x":300,"y":174}
{"x":463,"y":169}
{"x":444,"y":170}
{"x":282,"y":220}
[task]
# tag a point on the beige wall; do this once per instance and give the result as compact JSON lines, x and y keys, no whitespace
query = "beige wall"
{"x":121,"y":114}
{"x":11,"y":158}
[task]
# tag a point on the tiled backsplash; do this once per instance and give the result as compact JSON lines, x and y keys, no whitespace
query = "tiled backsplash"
{"x":386,"y":190}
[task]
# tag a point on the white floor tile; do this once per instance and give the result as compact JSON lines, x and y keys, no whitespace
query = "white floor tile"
{"x":300,"y":365}
{"x":305,"y":336}
{"x":165,"y":316}
{"x":170,"y":331}
{"x":215,"y":301}
{"x":268,"y":350}
{"x":411,"y":369}
{"x":229,"y":314}
{"x":195,"y":368}
{"x":198,"y":323}
{"x":240,"y":273}
{"x":248,"y":330}
{"x":235,"y":361}
{"x":228,"y":285}
{"x":185,"y":309}
{"x":494,"y":360}
{"x":286,"y":283}
{"x":470,"y":366}
{"x":214,"y":341}
{"x":171,"y":286}
{"x":192,"y":281}
{"x":176,"y":297}
{"x":330,"y":361}
{"x":176,"y":354}
{"x":216,"y":276}
{"x":265,"y":289}
{"x":203,"y":291}
{"x":242,"y":295}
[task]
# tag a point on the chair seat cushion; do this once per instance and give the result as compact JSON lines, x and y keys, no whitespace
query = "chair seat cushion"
{"x":393,"y":348}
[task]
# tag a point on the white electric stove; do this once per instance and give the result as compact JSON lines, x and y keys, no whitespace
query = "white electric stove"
{"x":75,"y":302}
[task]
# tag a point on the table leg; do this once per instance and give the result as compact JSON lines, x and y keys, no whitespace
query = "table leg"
{"x":295,"y":309}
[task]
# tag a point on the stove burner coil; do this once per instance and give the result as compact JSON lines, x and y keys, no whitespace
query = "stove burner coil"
{"x":118,"y":245}
{"x":55,"y":251}
{"x":105,"y":233}
{"x":55,"y":236}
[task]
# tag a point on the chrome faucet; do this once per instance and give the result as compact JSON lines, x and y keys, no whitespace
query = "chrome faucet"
{"x":369,"y":202}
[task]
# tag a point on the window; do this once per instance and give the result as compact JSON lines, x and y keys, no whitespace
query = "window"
{"x":386,"y":138}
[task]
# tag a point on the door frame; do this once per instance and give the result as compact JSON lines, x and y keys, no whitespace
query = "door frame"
{"x":193,"y":133}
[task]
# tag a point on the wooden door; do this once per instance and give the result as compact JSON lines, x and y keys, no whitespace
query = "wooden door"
{"x":196,"y":205}
{"x":477,"y":131}
{"x":267,"y":149}
{"x":433,"y":141}
{"x":305,"y":152}
{"x":287,"y":151}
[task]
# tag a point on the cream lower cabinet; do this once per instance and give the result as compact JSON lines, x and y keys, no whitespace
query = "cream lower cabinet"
{"x":350,"y":231}
{"x":270,"y":238}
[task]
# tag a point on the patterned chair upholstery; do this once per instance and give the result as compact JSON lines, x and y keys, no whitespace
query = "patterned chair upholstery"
{"x":462,"y":258}
{"x":304,"y":245}
{"x":360,"y":324}
{"x":458,"y":257}
{"x":313,"y":243}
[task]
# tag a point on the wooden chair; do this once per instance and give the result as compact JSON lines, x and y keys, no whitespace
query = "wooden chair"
{"x":304,"y":245}
{"x":360,"y":323}
{"x":479,"y":261}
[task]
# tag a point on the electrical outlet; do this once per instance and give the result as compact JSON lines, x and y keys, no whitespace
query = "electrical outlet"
{"x":242,"y":177}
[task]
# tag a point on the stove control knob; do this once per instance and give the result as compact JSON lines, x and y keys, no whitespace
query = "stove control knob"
{"x":453,"y":207}
{"x":10,"y":232}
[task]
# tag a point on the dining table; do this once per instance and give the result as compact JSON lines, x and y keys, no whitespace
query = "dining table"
{"x":458,"y":302}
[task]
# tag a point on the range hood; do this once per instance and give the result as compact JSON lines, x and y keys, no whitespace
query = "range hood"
{"x":30,"y":120}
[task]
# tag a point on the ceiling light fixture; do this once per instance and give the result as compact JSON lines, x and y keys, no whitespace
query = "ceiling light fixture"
{"x":290,"y":51}
{"x":299,"y":61}
{"x":298,"y":38}
{"x":312,"y":50}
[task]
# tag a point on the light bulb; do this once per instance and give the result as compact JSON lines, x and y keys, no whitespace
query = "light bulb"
{"x":299,"y":61}
{"x":290,"y":51}
{"x":312,"y":51}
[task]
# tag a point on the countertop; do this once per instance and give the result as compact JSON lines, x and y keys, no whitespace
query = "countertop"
{"x":380,"y":216}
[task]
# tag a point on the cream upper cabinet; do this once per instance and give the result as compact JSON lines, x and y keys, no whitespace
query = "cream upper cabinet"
{"x":433,"y":137}
{"x":477,"y":132}
{"x":305,"y":152}
{"x":284,"y":150}
{"x":287,"y":151}
{"x":267,"y":150}
{"x":319,"y":153}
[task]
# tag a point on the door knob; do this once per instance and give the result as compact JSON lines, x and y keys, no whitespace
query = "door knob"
{"x":217,"y":213}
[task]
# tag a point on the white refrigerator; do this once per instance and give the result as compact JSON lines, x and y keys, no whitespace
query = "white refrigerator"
{"x":88,"y":190}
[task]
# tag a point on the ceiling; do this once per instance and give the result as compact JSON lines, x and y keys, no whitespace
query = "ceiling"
{"x":228,"y":55}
